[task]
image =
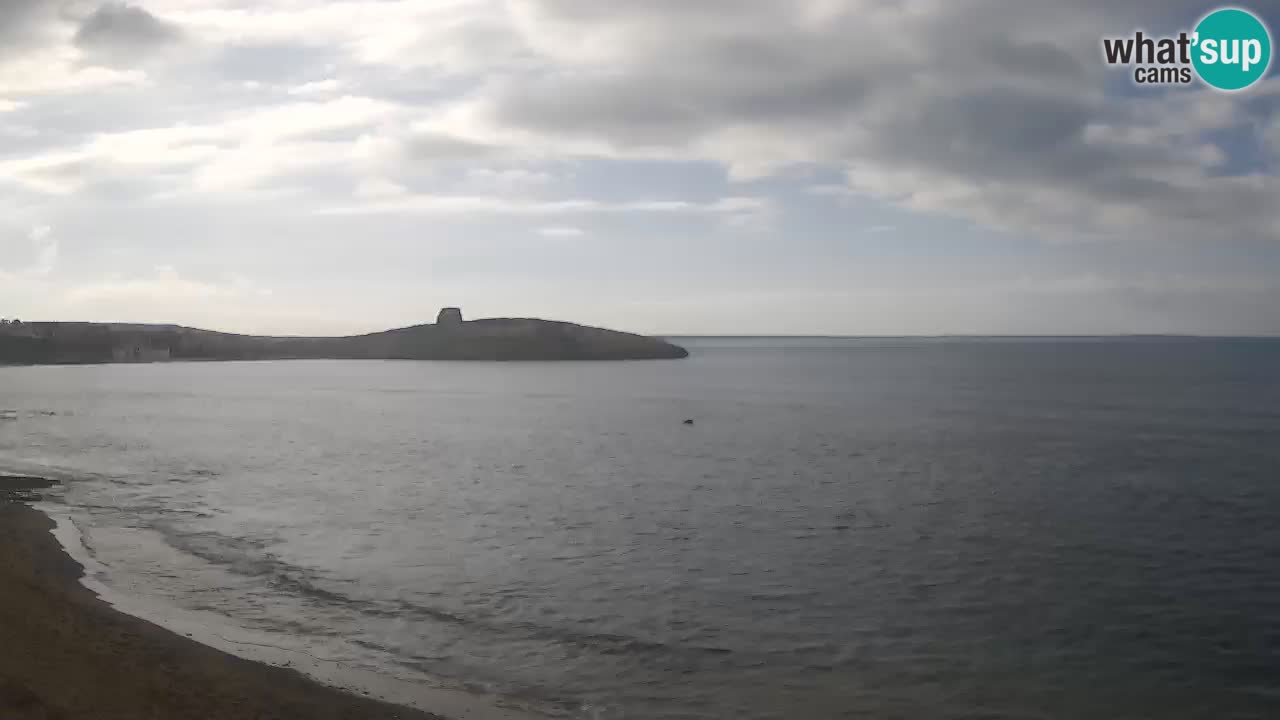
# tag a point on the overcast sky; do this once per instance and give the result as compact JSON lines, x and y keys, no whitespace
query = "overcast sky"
{"x":662,"y":166}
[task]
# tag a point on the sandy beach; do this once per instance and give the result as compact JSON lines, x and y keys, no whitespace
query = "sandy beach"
{"x":68,"y":655}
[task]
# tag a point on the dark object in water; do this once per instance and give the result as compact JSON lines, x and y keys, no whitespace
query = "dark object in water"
{"x":689,"y":421}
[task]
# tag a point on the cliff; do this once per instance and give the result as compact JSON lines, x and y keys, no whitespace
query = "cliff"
{"x":454,"y":339}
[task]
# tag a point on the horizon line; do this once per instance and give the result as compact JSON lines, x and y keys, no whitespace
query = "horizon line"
{"x":743,"y":336}
{"x":971,"y":336}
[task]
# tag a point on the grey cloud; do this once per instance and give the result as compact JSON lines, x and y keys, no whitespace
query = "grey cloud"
{"x":1002,"y":120}
{"x":674,"y":90}
{"x":273,"y":63}
{"x":635,"y":114}
{"x":17,"y":15}
{"x":26,"y":24}
{"x":685,"y":70}
{"x":991,"y":101}
{"x":431,"y":147}
{"x":119,"y":33}
{"x":1038,"y":59}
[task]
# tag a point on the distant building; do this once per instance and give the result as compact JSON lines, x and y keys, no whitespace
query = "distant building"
{"x":449,"y":316}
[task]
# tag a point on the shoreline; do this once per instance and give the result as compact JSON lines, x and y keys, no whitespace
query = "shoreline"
{"x":74,"y":654}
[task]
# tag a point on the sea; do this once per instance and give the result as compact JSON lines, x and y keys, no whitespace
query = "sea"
{"x":773,"y":528}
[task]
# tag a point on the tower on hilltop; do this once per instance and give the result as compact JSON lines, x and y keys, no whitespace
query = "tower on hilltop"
{"x":449,"y":316}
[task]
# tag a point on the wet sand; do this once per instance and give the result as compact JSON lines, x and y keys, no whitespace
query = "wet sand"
{"x":66,"y":655}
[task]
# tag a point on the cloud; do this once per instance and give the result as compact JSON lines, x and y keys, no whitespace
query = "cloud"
{"x":1272,"y":137}
{"x":40,"y":52}
{"x":164,"y":285}
{"x":54,"y":174}
{"x":120,"y":33}
{"x":561,"y":231}
{"x":317,"y":87}
{"x":25,"y":24}
{"x":380,"y":188}
{"x":166,"y":294}
{"x":507,"y":178}
{"x":28,"y":257}
{"x":762,"y":128}
{"x":426,"y":204}
{"x":434,"y":146}
{"x":1005,"y":123}
{"x":56,"y":71}
{"x":240,"y":150}
{"x":46,"y":250}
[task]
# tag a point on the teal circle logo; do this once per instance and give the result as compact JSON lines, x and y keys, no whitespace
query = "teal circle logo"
{"x":1232,"y":49}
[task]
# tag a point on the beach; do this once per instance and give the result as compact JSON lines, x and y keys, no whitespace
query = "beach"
{"x":68,"y":655}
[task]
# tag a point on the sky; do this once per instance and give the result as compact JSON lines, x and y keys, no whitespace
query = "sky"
{"x":835,"y":167}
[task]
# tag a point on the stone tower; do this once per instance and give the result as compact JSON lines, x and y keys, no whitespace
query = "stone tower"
{"x":449,"y":316}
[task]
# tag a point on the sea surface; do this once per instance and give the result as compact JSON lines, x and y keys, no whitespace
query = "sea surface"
{"x":850,"y":528}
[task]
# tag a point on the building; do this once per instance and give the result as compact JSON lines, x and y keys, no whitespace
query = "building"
{"x":449,"y":316}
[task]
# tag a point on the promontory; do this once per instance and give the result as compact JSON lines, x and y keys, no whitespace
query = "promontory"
{"x":449,"y":338}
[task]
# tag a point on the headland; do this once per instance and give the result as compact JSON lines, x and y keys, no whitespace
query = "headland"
{"x":449,"y":338}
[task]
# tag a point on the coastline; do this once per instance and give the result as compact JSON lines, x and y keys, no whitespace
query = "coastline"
{"x":449,"y":338}
{"x":73,"y":655}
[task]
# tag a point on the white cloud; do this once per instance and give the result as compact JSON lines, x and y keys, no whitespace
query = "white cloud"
{"x":317,"y":87}
{"x":507,"y":178}
{"x":165,"y":285}
{"x":55,"y":72}
{"x":561,"y":231}
{"x":446,"y":35}
{"x":28,"y":258}
{"x":728,"y":208}
{"x":241,"y":150}
{"x":302,"y":118}
{"x":166,"y":294}
{"x":46,"y":250}
{"x":254,"y":162}
{"x":380,"y":188}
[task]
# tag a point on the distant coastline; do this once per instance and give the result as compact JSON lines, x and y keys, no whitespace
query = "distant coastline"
{"x":449,"y":338}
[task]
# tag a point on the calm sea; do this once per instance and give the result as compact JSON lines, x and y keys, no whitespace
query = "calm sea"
{"x":849,"y":528}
